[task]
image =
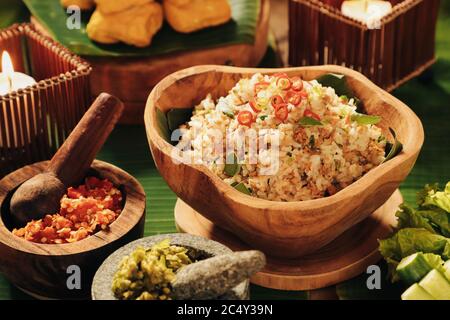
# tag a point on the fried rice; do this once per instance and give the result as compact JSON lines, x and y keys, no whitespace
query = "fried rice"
{"x":322,"y":146}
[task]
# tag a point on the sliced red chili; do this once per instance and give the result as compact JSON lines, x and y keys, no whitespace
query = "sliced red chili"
{"x":276,"y":100}
{"x":297,"y":83}
{"x":309,"y":113}
{"x":255,"y":106}
{"x":261,"y":86}
{"x":293,"y":97}
{"x":73,"y":193}
{"x":282,"y":112}
{"x":245,"y":118}
{"x":303,"y":94}
{"x":284,"y":83}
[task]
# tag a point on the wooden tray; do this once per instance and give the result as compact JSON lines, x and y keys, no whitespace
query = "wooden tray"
{"x":344,"y":258}
{"x":131,"y":79}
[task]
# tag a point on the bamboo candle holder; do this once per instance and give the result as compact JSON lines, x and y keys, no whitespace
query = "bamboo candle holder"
{"x":36,"y":120}
{"x":401,"y":48}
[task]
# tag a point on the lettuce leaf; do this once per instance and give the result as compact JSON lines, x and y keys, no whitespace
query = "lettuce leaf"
{"x":425,"y":229}
{"x":411,"y":240}
{"x":434,"y":219}
{"x":409,"y":217}
{"x":439,"y":219}
{"x":421,"y":195}
{"x":408,"y":241}
{"x":440,"y":199}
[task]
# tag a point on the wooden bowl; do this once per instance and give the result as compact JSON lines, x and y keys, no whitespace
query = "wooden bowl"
{"x":101,"y":286}
{"x":42,"y":269}
{"x":283,"y":229}
{"x":130,"y":78}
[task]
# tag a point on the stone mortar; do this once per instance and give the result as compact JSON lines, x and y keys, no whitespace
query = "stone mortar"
{"x":101,"y":285}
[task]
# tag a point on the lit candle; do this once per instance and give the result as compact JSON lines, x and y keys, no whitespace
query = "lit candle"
{"x":12,"y":81}
{"x":369,"y":12}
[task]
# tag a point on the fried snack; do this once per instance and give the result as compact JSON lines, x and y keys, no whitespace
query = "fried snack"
{"x":83,"y":4}
{"x":135,"y":26}
{"x":116,"y":6}
{"x":192,"y":15}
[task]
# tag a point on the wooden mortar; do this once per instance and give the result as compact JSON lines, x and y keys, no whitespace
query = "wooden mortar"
{"x":41,"y":269}
{"x":41,"y":194}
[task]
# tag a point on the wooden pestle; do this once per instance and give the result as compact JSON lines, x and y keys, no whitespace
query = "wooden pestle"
{"x":41,"y":194}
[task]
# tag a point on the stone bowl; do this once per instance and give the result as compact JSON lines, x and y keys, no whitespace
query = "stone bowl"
{"x":101,"y":286}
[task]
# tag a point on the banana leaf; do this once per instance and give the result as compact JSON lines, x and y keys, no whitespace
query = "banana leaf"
{"x":261,"y":293}
{"x":12,"y":11}
{"x":356,"y":288}
{"x":240,"y":29}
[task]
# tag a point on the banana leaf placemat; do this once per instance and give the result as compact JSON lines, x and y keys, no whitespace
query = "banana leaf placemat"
{"x":428,"y":96}
{"x":240,"y":29}
{"x":127,"y":148}
{"x":12,"y":11}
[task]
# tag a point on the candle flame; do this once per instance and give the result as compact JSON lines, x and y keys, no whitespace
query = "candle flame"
{"x":7,"y":66}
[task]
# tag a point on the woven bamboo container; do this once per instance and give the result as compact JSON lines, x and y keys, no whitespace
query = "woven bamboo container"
{"x":401,"y":48}
{"x":36,"y":120}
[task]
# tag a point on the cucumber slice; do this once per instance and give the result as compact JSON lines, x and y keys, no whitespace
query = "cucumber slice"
{"x":447,"y":265}
{"x":447,"y":270}
{"x":436,"y":285}
{"x":413,"y":268}
{"x":416,"y":292}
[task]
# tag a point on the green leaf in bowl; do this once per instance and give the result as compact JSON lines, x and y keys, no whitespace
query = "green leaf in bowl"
{"x":339,"y":83}
{"x":240,"y":29}
{"x":172,"y":120}
{"x":232,"y":167}
{"x":393,"y":149}
{"x":163,"y":127}
{"x":308,"y":121}
{"x":177,"y":117}
{"x":242,"y":188}
{"x":365,"y":119}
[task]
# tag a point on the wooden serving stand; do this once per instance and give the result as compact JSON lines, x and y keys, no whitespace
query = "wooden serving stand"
{"x":131,"y":79}
{"x":346,"y":257}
